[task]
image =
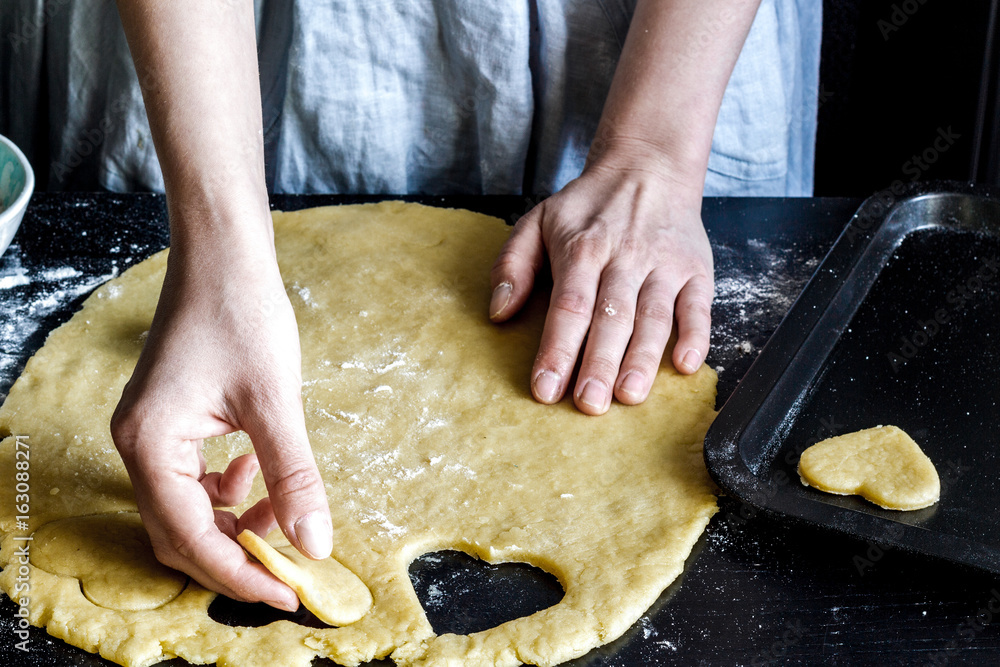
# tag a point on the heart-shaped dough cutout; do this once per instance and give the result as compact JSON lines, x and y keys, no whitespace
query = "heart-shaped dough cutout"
{"x":111,"y":556}
{"x":328,"y":589}
{"x":882,"y":464}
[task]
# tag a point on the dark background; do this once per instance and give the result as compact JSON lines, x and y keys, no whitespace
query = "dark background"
{"x":892,"y":74}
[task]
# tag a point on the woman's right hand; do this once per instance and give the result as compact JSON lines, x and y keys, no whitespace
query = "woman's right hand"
{"x":222,"y":355}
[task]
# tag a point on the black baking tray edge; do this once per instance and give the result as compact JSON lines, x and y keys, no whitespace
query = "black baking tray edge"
{"x":753,"y":446}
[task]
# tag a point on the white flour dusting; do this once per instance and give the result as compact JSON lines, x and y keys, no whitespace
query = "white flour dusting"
{"x":62,"y":273}
{"x":370,"y":515}
{"x":305,"y":294}
{"x":14,"y":280}
{"x":110,"y":292}
{"x":459,"y":468}
{"x":397,"y":357}
{"x":14,"y":275}
{"x":27,"y":301}
{"x":756,"y":283}
{"x":435,"y":597}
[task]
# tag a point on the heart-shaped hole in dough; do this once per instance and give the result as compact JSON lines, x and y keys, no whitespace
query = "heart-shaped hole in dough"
{"x":881,"y":464}
{"x":111,"y":556}
{"x":461,"y":594}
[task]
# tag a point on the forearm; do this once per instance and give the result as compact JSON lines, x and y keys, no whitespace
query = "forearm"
{"x":215,"y":361}
{"x":197,"y":64}
{"x":665,"y":96}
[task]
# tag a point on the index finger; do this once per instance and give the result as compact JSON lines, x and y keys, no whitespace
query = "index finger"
{"x":571,"y":309}
{"x":276,"y":426}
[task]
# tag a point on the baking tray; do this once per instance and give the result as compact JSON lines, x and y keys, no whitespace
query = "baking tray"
{"x":898,"y":325}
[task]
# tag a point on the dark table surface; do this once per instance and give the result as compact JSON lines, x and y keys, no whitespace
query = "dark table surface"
{"x":757,"y":589}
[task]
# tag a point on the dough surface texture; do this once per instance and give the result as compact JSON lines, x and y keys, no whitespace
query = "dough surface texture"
{"x":427,"y":437}
{"x":881,"y":464}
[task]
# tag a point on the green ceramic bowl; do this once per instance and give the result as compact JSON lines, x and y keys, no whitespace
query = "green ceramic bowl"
{"x":17,"y":182}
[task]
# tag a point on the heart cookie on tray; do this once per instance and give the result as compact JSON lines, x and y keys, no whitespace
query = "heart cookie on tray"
{"x":882,"y":464}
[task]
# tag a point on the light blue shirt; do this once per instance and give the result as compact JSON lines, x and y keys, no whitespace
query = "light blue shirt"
{"x":392,"y":96}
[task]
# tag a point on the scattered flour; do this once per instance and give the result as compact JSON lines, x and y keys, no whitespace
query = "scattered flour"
{"x":27,"y":299}
{"x":397,"y":359}
{"x":756,"y":283}
{"x":435,"y":597}
{"x":457,"y":467}
{"x":14,"y":280}
{"x":110,"y":292}
{"x":62,"y":273}
{"x":305,"y":294}
{"x":371,"y":515}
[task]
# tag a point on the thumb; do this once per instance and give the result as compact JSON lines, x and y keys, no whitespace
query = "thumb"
{"x":513,"y":273}
{"x":294,"y":486}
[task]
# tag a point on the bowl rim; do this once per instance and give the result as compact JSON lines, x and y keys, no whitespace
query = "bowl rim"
{"x":21,"y":201}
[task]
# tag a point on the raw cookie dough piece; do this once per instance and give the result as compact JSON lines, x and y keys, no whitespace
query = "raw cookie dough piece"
{"x":111,"y":556}
{"x":427,"y":438}
{"x":882,"y":464}
{"x":327,"y":589}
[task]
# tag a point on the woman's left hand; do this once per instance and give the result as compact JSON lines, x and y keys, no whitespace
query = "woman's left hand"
{"x":629,"y":258}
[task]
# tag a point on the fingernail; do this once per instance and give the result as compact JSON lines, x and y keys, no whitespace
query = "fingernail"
{"x":547,"y":386}
{"x":691,"y":361}
{"x":500,"y":298}
{"x":252,"y":472}
{"x":315,"y":535}
{"x":633,"y":384}
{"x":594,"y":394}
{"x":285,"y":605}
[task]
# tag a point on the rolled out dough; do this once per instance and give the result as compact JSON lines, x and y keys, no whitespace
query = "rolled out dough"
{"x":427,"y":437}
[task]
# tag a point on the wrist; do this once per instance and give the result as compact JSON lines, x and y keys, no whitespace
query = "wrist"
{"x":641,"y":160}
{"x":231,"y":255}
{"x":228,"y":225}
{"x":683,"y":174}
